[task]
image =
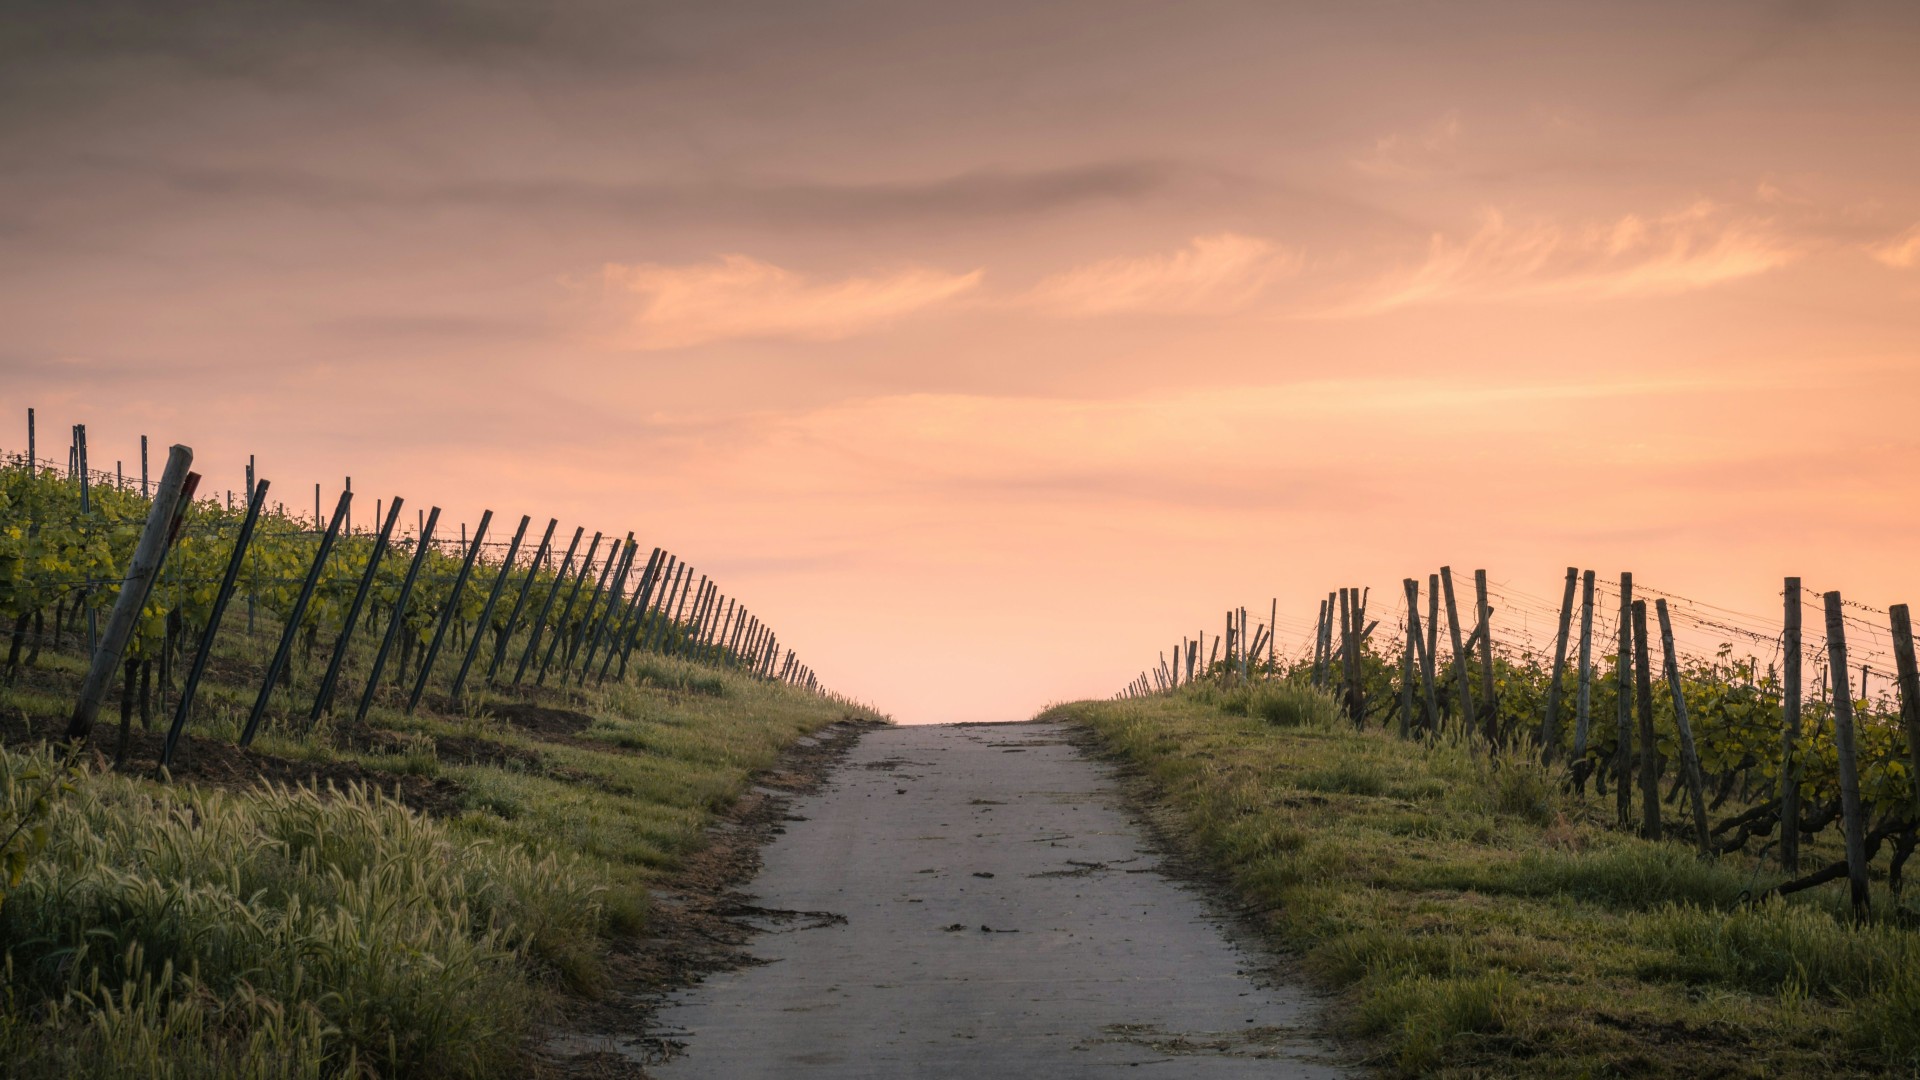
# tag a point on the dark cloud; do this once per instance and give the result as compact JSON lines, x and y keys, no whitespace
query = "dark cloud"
{"x":963,"y":196}
{"x":238,"y":37}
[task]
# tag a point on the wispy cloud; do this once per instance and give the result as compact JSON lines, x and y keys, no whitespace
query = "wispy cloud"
{"x":1698,"y":247}
{"x":738,"y":296}
{"x":1902,"y":252}
{"x":1212,"y":274}
{"x":1406,"y":154}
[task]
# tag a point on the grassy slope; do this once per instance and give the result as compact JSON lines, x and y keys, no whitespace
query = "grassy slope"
{"x":230,"y":932}
{"x":1477,"y":920}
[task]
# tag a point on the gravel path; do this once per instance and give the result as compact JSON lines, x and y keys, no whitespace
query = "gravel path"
{"x":974,"y":901}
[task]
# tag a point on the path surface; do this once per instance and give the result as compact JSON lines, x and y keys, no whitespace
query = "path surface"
{"x":979,"y":904}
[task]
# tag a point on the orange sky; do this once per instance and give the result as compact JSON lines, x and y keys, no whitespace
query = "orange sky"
{"x":984,"y":349}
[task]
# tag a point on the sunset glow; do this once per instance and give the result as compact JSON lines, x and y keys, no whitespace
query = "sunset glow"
{"x":987,"y":349}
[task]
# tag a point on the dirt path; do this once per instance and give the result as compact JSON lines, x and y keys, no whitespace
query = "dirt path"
{"x":974,"y":901}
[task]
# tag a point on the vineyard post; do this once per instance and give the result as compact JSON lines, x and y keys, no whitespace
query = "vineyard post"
{"x":559,"y":632}
{"x":1843,"y":743}
{"x":86,"y":482}
{"x":1433,"y":637}
{"x":690,"y":602}
{"x":1406,"y":673}
{"x":212,"y":630}
{"x":317,"y":523}
{"x":449,"y":612}
{"x":1550,"y":728}
{"x":423,"y":543}
{"x":142,"y":569}
{"x":596,"y":613}
{"x":1319,"y":627}
{"x":144,"y":491}
{"x":673,"y":630}
{"x":33,"y":449}
{"x":1623,"y":712}
{"x":1649,"y":751}
{"x":538,"y":629}
{"x":1273,"y":634}
{"x":656,"y":606}
{"x":608,"y":617}
{"x":1485,"y":614}
{"x":656,"y":637}
{"x":1460,"y":668}
{"x":1425,"y":655}
{"x":1583,"y":698}
{"x":1790,"y":730}
{"x":349,"y":489}
{"x":703,"y":623}
{"x":520,"y":601}
{"x":1346,"y":650}
{"x":292,"y":628}
{"x":324,"y":699}
{"x":1909,"y":683}
{"x":486,"y":610}
{"x":1689,"y":758}
{"x":630,"y":623}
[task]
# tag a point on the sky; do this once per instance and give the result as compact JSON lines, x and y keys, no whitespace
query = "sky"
{"x":985,"y":349}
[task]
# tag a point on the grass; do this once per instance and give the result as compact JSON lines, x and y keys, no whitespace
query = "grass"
{"x":187,"y":930}
{"x":1472,"y":918}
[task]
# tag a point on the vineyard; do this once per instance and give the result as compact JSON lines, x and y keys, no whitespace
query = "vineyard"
{"x":1624,"y":833}
{"x":1625,"y":710}
{"x":287,"y":796}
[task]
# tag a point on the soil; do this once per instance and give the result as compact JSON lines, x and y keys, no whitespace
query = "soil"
{"x":699,"y":921}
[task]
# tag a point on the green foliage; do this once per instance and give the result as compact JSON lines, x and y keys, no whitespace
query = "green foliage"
{"x":406,"y":941}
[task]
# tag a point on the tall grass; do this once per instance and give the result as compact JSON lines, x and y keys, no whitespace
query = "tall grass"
{"x":276,"y":932}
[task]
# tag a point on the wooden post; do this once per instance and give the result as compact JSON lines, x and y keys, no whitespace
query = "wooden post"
{"x":1853,"y":817}
{"x":605,"y":622}
{"x":1461,"y":669}
{"x":450,"y":611}
{"x":539,"y":627}
{"x":1433,"y":632}
{"x":566,"y":613}
{"x":1790,"y":730}
{"x":1623,"y":713}
{"x":1689,"y":758}
{"x":145,"y":491}
{"x":1425,"y":655}
{"x":486,"y":610}
{"x":1649,"y":753}
{"x":324,"y":699}
{"x":1908,"y":680}
{"x":1273,"y":634}
{"x":423,"y":543}
{"x":1407,"y":649}
{"x":292,"y":627}
{"x":657,"y":627}
{"x":33,"y":459}
{"x":630,"y":623}
{"x":1346,"y":650}
{"x":540,"y":555}
{"x":148,"y":555}
{"x":212,"y":629}
{"x":1550,"y":727}
{"x":1489,"y":701}
{"x":1320,"y":645}
{"x":1583,"y":698}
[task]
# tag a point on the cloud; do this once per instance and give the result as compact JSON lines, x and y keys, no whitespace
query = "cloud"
{"x":1901,"y":253}
{"x":738,"y":296}
{"x":1695,"y":248}
{"x":1212,"y":274}
{"x":1404,"y":155}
